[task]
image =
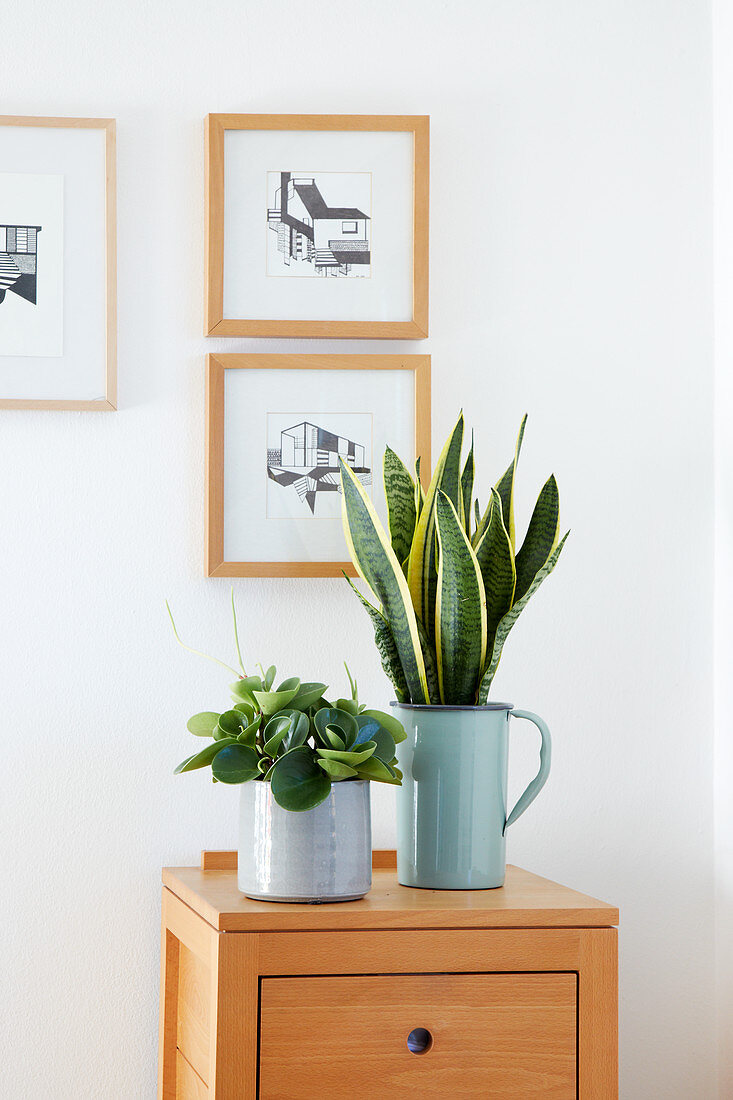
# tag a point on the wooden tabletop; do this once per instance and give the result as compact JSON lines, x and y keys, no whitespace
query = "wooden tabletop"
{"x":525,"y":901}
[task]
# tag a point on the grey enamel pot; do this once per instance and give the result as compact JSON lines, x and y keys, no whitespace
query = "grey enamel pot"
{"x":318,"y":855}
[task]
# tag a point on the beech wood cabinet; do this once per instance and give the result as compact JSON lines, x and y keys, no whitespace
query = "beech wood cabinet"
{"x":503,"y":994}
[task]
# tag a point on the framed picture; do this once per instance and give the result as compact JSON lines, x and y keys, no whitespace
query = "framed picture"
{"x":57,"y":263}
{"x":317,"y":225}
{"x":276,"y":428}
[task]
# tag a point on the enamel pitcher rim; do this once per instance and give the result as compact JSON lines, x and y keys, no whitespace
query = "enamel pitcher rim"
{"x":452,"y":706}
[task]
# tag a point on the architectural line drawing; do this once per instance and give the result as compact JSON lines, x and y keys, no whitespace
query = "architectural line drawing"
{"x":308,"y":461}
{"x":18,"y":261}
{"x":333,"y":240}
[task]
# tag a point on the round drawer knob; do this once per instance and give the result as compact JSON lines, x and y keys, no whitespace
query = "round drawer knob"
{"x":419,"y":1041}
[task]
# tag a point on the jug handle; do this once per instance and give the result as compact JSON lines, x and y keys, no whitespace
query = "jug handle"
{"x":540,"y":779}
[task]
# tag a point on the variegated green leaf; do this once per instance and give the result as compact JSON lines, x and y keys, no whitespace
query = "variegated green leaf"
{"x":431,"y":664}
{"x":496,"y":561}
{"x":386,"y":647}
{"x":511,"y":617}
{"x":399,"y":489}
{"x":419,"y":491}
{"x":375,"y":560}
{"x":467,"y":489}
{"x":541,"y":537}
{"x":460,"y":610}
{"x":422,"y":572}
{"x":505,"y":485}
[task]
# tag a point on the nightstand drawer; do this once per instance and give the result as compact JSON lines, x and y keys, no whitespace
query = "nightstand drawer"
{"x":493,"y":1035}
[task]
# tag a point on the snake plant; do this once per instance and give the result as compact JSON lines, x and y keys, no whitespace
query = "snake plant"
{"x":293,"y":738}
{"x":448,"y":579}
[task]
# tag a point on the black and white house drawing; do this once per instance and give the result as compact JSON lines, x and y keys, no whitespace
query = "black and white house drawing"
{"x":304,"y":461}
{"x":316,"y":233}
{"x":18,"y":261}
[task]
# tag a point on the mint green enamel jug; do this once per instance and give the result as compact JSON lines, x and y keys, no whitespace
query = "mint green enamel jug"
{"x":452,"y":805}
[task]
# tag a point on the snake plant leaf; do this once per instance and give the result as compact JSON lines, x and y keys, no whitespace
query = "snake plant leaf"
{"x":477,"y":510}
{"x":375,"y":560}
{"x":203,"y":724}
{"x":308,"y":695}
{"x":297,"y":782}
{"x":351,"y":757}
{"x":334,"y":721}
{"x":419,"y":491}
{"x":496,"y":562}
{"x":431,"y":664}
{"x":336,"y":770}
{"x":235,"y":764}
{"x":386,"y":647}
{"x":460,"y":610}
{"x":505,"y":485}
{"x":379,"y":771}
{"x":541,"y":537}
{"x":272,"y":701}
{"x":511,"y":617}
{"x":467,"y":477}
{"x":203,"y":759}
{"x":422,"y":572}
{"x":399,"y":489}
{"x":388,"y":722}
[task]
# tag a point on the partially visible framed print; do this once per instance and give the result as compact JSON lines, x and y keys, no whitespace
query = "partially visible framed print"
{"x":317,"y":225}
{"x":277,"y":426}
{"x":57,"y":263}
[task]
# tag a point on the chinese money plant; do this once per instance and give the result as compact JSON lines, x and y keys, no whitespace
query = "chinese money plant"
{"x":293,"y":738}
{"x":449,"y":581}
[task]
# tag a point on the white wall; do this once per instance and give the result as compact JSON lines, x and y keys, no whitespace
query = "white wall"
{"x":723,"y":108}
{"x":580,"y":291}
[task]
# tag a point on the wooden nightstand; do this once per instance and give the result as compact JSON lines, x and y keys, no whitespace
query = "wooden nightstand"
{"x":513,"y":992}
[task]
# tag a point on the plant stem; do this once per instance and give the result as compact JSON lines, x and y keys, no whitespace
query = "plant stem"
{"x":198,"y":652}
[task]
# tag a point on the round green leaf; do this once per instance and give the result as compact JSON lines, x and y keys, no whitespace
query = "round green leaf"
{"x":308,"y":695}
{"x":385,"y":749}
{"x":273,"y":701}
{"x":248,"y":736}
{"x":235,"y":764}
{"x":376,"y":770}
{"x":276,"y":731}
{"x":244,"y":686}
{"x":203,"y":724}
{"x":351,"y":758}
{"x":389,"y":722}
{"x":231,"y":723}
{"x":201,"y":759}
{"x":351,"y":706}
{"x":337,"y":770}
{"x":248,"y":710}
{"x":342,"y":723}
{"x":297,"y":782}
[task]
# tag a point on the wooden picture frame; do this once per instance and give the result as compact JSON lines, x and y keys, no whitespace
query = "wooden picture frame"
{"x":108,"y":182}
{"x":217,"y":324}
{"x":217,"y":367}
